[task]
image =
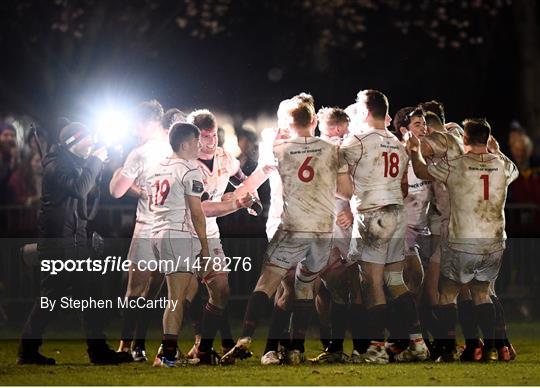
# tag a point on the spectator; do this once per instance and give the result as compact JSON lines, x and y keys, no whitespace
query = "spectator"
{"x":221,"y":136}
{"x":521,"y":149}
{"x":9,"y":159}
{"x":526,"y":188}
{"x":24,"y":185}
{"x":247,"y":142}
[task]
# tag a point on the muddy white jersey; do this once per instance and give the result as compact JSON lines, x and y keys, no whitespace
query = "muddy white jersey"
{"x":266,"y":158}
{"x":444,"y":145}
{"x":377,"y":161}
{"x":139,"y":161}
{"x":308,"y":167}
{"x":477,"y":186}
{"x":167,"y":185}
{"x":341,"y":204}
{"x":215,"y":182}
{"x":417,"y":201}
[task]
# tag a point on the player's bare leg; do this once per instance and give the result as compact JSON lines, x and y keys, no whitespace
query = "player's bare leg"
{"x":446,"y":314}
{"x":169,"y":354}
{"x":413,"y":274}
{"x":267,"y":285}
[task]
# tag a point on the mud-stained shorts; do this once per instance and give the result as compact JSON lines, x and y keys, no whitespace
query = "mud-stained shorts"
{"x":463,"y":267}
{"x":219,"y":265}
{"x":439,"y":243}
{"x":287,"y":249}
{"x":342,"y":242}
{"x":140,"y":248}
{"x":174,"y":250}
{"x":379,"y":235}
{"x":419,"y":243}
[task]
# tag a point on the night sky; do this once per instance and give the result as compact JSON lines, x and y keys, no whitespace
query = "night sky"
{"x":266,"y":52}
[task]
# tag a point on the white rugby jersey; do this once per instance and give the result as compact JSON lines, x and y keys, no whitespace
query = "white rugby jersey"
{"x":266,"y":158}
{"x":215,"y":182}
{"x":417,"y":201}
{"x":445,"y":145}
{"x":308,"y":167}
{"x":477,"y":185}
{"x":139,"y":161}
{"x":377,"y":161}
{"x":168,"y":184}
{"x":341,"y":204}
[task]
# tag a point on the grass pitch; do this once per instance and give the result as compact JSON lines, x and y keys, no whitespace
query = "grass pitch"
{"x":74,"y":369}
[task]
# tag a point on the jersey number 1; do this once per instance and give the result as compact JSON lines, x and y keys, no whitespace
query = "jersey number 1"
{"x":391,"y":165}
{"x":485,"y":178}
{"x":162,"y":189}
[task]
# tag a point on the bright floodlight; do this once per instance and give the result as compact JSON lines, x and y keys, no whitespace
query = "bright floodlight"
{"x":112,"y":127}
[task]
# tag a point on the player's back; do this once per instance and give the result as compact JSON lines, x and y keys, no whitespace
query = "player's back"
{"x":168,"y":184}
{"x":139,"y":162}
{"x":477,"y":185}
{"x":378,"y":161}
{"x":308,"y":167}
{"x":417,"y":200}
{"x":444,"y":146}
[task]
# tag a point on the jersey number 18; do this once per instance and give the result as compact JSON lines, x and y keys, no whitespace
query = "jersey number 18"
{"x":391,"y":164}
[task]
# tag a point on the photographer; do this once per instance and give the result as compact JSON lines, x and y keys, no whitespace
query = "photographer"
{"x":70,"y":171}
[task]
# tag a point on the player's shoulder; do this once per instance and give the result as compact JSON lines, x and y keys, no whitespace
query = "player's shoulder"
{"x":435,"y":136}
{"x":329,"y":143}
{"x":351,"y":140}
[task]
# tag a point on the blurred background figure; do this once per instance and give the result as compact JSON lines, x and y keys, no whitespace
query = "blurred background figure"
{"x":248,"y":144}
{"x":24,"y":185}
{"x":220,"y":136}
{"x":9,"y":158}
{"x":526,"y":189}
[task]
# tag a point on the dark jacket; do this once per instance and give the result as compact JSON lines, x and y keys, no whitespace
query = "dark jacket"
{"x":67,"y":180}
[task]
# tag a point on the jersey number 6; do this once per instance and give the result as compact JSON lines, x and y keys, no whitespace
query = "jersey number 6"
{"x":306,"y":172}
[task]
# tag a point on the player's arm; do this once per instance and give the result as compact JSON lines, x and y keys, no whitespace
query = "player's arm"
{"x":405,"y":185}
{"x":345,"y":217}
{"x":123,"y":178}
{"x":344,"y":189}
{"x":199,"y":222}
{"x":419,"y":164}
{"x":229,"y":204}
{"x":120,"y":184}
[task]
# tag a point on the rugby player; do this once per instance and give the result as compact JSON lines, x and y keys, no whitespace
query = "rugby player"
{"x":476,"y":236}
{"x":175,"y":188}
{"x":153,"y":145}
{"x":378,"y":164}
{"x":311,"y":172}
{"x":217,"y":167}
